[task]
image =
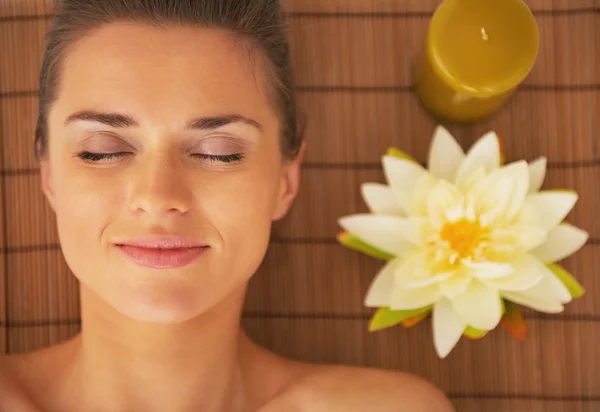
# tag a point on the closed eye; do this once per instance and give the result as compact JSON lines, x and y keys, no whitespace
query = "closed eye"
{"x":111,"y":157}
{"x":232,"y":158}
{"x":98,"y":157}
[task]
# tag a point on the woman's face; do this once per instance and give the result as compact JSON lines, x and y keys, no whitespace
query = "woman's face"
{"x":164,"y":168}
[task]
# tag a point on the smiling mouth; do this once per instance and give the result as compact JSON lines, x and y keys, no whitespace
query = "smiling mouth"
{"x":162,"y":253}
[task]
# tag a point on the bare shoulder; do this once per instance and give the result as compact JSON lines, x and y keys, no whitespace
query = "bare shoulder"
{"x":13,"y":396}
{"x":26,"y":378}
{"x":352,"y":389}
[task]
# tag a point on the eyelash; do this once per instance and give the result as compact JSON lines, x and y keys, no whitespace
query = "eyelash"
{"x":97,"y":157}
{"x":232,"y":158}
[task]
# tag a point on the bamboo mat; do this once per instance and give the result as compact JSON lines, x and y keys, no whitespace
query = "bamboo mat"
{"x":353,"y":62}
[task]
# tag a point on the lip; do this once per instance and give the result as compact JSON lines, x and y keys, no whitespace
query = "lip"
{"x":162,"y":252}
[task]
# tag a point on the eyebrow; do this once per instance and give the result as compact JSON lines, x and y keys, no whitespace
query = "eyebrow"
{"x":110,"y":119}
{"x":119,"y":120}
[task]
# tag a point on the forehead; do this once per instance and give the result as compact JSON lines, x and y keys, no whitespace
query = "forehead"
{"x":175,"y":71}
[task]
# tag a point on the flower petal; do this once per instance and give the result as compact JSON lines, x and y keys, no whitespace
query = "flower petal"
{"x":402,"y":175}
{"x":504,"y":244}
{"x":552,"y":206}
{"x":542,"y":305}
{"x":457,"y":283}
{"x":548,"y":295}
{"x":531,"y":237}
{"x":380,"y":290}
{"x":484,"y":153}
{"x":567,"y":279}
{"x":528,"y":216}
{"x":491,"y":198}
{"x":562,"y":241}
{"x":537,"y":174}
{"x":352,"y":242}
{"x":519,"y":171}
{"x":413,"y":229}
{"x":380,"y":199}
{"x":501,"y":194}
{"x":444,"y":200}
{"x":447,"y":328}
{"x":471,"y":181}
{"x":405,"y":299}
{"x":489,"y":270}
{"x":414,"y":273}
{"x":445,"y":155}
{"x":527,"y":272}
{"x":479,"y":306}
{"x":380,"y":231}
{"x":417,"y":206}
{"x":560,"y":291}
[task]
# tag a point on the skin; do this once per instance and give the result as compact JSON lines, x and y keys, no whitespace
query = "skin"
{"x":170,"y":339}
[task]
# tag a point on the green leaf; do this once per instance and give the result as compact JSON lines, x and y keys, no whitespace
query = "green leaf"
{"x":394,"y":152}
{"x":572,"y":285}
{"x":473,"y":333}
{"x":355,"y":243}
{"x":384,"y":317}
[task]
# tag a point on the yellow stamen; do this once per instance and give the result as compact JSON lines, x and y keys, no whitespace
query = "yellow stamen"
{"x":463,"y":235}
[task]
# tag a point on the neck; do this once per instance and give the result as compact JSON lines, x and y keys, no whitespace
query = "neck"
{"x":120,"y":364}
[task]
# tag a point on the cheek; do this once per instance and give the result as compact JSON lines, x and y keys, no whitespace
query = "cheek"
{"x":85,"y":198}
{"x":84,"y":206}
{"x":241,"y":208}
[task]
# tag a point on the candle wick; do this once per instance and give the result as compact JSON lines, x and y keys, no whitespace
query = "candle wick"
{"x":484,"y":35}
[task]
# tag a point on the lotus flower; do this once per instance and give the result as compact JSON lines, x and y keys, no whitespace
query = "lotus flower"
{"x":465,"y":240}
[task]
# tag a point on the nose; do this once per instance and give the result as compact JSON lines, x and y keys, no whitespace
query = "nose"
{"x":159,"y":187}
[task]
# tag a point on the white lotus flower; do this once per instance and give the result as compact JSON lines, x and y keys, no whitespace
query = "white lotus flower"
{"x":465,"y":234}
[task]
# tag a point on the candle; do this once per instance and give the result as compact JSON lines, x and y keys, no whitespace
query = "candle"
{"x":477,"y":53}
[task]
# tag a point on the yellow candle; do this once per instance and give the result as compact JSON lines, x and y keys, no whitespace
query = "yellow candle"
{"x":477,"y":53}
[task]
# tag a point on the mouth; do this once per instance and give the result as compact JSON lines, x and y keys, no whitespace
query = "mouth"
{"x":162,"y":252}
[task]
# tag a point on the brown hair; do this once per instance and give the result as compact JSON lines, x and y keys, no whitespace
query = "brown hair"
{"x":258,"y":22}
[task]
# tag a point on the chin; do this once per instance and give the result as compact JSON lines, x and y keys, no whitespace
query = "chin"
{"x":150,"y":300}
{"x":161,"y":307}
